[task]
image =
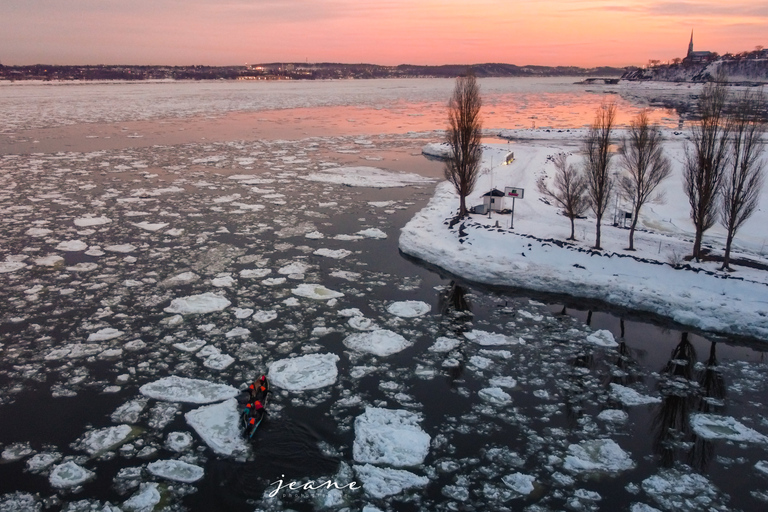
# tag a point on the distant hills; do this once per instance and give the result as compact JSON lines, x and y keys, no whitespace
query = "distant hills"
{"x":291,"y":71}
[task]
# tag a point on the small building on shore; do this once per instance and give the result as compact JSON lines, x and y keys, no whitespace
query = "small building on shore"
{"x":698,"y":57}
{"x":493,"y":200}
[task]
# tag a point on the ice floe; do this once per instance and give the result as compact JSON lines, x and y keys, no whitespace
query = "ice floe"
{"x":519,"y":482}
{"x":101,"y":440}
{"x":176,"y":470}
{"x":310,"y":371}
{"x":712,"y":426}
{"x":597,"y":456}
{"x":366,"y":177}
{"x":331,"y":253}
{"x":630,"y":397}
{"x":72,"y":246}
{"x":183,"y":389}
{"x":381,"y":342}
{"x":683,"y":490}
{"x":69,"y":474}
{"x":315,"y":291}
{"x":198,"y":304}
{"x":218,"y":426}
{"x":496,"y":396}
{"x":84,"y":222}
{"x":105,"y":334}
{"x":489,"y":338}
{"x":602,"y":338}
{"x":409,"y":308}
{"x":143,"y":500}
{"x":390,"y":436}
{"x":383,"y":482}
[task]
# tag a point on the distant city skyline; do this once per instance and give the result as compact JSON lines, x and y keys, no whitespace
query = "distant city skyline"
{"x":583,"y":33}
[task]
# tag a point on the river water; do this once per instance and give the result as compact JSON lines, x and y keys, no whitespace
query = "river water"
{"x":217,"y":174}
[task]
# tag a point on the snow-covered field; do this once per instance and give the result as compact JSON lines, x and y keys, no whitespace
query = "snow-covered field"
{"x":144,"y":286}
{"x":532,"y":255}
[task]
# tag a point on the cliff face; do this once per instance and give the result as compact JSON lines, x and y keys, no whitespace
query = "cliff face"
{"x":741,"y":70}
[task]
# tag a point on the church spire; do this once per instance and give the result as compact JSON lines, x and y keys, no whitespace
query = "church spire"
{"x":690,"y":45}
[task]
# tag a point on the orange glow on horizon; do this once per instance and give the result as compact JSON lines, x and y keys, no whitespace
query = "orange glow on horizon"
{"x":549,"y":32}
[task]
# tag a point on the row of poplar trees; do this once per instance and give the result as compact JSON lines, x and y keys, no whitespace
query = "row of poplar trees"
{"x":722,"y":176}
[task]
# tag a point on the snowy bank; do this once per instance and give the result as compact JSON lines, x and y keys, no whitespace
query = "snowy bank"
{"x":535,"y":255}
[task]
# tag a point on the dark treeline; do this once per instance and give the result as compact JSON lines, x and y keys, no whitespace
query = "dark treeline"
{"x":291,"y":71}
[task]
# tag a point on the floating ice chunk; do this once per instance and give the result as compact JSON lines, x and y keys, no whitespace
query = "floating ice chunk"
{"x":69,"y":475}
{"x":83,"y":266}
{"x":496,"y":396}
{"x":409,"y":308}
{"x":129,"y":412}
{"x":489,"y":338}
{"x":480,"y":362}
{"x":330,"y":253}
{"x":147,"y":226}
{"x":190,"y":346}
{"x":238,"y":332}
{"x":602,"y":338}
{"x":226,"y":281}
{"x":642,"y":507}
{"x":105,"y":334}
{"x":310,"y":371}
{"x":242,"y":313}
{"x":365,"y":177}
{"x":712,"y":426}
{"x":255,"y":273}
{"x":104,"y":439}
{"x":134,"y":345}
{"x":218,"y":426}
{"x":198,"y":304}
{"x":613,"y":416}
{"x":42,"y":461}
{"x":294,"y":268}
{"x":218,"y":361}
{"x":38,"y":232}
{"x":314,"y":235}
{"x":72,"y":246}
{"x":11,"y":266}
{"x":350,"y":312}
{"x":179,"y":441}
{"x":176,"y":470}
{"x":390,"y":436}
{"x":16,"y":451}
{"x":372,"y":233}
{"x":362,"y":323}
{"x":519,"y":482}
{"x":265,"y":316}
{"x":49,"y":261}
{"x":503,"y":382}
{"x":315,"y":291}
{"x":181,"y":279}
{"x":121,"y":248}
{"x":182,"y":389}
{"x":443,"y":344}
{"x":630,"y":397}
{"x":383,"y":482}
{"x":273,"y":281}
{"x":597,"y":456}
{"x":20,"y":502}
{"x":381,"y":342}
{"x":683,"y":490}
{"x":143,"y":500}
{"x":84,"y":222}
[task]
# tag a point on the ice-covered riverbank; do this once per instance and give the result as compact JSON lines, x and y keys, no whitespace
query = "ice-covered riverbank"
{"x":535,"y":256}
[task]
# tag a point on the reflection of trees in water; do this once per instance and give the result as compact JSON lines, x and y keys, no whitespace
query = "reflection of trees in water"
{"x":684,"y":393}
{"x":456,"y":311}
{"x":577,"y":393}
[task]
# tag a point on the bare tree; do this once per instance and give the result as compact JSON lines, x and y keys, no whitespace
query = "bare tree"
{"x":570,"y":190}
{"x":642,"y":155}
{"x":744,"y":175}
{"x":706,"y":159}
{"x":597,"y":163}
{"x":463,"y":136}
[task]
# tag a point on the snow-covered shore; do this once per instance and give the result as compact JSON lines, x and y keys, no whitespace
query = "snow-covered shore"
{"x":536,"y":256}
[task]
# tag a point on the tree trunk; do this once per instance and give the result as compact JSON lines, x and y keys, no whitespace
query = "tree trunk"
{"x":462,"y":207}
{"x":632,"y":231}
{"x":727,"y":257}
{"x":697,"y":244}
{"x":573,"y":231}
{"x":597,"y":233}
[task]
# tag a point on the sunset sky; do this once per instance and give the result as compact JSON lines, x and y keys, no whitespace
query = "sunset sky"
{"x":224,"y":32}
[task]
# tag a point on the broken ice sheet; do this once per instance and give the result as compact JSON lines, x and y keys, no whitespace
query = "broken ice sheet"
{"x":218,"y":426}
{"x":311,"y":371}
{"x":712,"y":426}
{"x":597,"y":456}
{"x":383,"y":482}
{"x":182,"y":389}
{"x":380,"y":342}
{"x":390,"y":436}
{"x":176,"y":470}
